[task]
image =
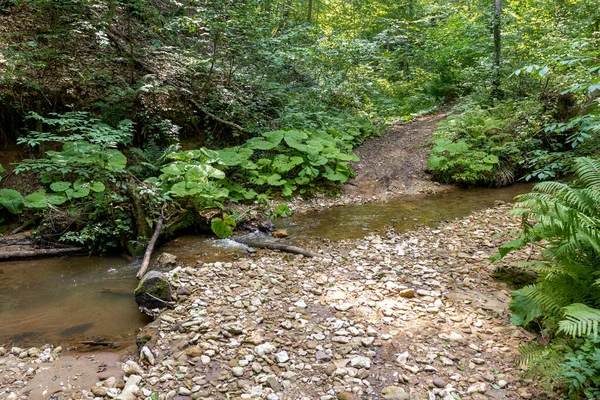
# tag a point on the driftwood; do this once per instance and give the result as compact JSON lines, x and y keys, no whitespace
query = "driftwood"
{"x":17,"y":255}
{"x":276,"y":246}
{"x":150,"y":248}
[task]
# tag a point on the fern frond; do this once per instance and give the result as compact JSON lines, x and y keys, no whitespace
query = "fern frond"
{"x":580,"y":320}
{"x":588,"y":170}
{"x":541,"y":297}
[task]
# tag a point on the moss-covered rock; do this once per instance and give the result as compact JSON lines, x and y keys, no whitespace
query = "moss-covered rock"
{"x":153,"y":291}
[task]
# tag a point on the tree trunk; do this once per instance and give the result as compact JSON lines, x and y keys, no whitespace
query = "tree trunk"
{"x":309,"y":11}
{"x":496,"y":91}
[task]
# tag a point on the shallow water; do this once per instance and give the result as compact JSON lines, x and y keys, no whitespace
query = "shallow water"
{"x":405,"y":213}
{"x":70,"y":299}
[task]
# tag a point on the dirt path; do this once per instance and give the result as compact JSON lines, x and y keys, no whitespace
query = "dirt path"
{"x":396,"y":163}
{"x":392,"y":165}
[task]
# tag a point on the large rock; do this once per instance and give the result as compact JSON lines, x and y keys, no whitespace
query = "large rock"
{"x":153,"y":291}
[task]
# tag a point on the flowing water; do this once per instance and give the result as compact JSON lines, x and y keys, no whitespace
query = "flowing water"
{"x":70,"y":299}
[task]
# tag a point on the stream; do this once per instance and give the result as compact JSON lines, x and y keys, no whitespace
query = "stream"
{"x":70,"y":299}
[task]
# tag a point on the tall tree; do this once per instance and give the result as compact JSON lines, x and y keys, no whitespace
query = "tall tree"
{"x":496,"y":91}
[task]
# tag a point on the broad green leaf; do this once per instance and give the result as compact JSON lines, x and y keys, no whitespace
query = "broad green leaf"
{"x":56,"y":199}
{"x":179,"y":189}
{"x":60,"y":186}
{"x":543,"y":71}
{"x":220,"y":228}
{"x":36,"y":200}
{"x":234,"y":156}
{"x":316,"y":159}
{"x":11,"y":200}
{"x":97,"y":187}
{"x":116,"y":160}
{"x":270,"y":141}
{"x":173,"y":169}
{"x":203,"y":171}
{"x":282,"y":163}
{"x":83,"y":191}
{"x":275,"y":180}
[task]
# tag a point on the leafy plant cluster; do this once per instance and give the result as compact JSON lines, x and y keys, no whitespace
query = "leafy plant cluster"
{"x":563,"y":220}
{"x":473,"y":147}
{"x":87,"y":179}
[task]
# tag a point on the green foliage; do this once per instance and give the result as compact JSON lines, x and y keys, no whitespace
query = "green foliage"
{"x":564,"y":220}
{"x":282,"y":211}
{"x":580,"y":370}
{"x":11,"y":200}
{"x":222,"y":227}
{"x":457,"y":162}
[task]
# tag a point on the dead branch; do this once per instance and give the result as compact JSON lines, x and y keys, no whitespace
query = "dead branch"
{"x":150,"y":248}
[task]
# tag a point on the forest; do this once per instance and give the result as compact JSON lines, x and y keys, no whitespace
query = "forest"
{"x":120,"y":115}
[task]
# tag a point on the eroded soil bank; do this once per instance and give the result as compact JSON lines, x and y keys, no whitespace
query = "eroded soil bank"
{"x":389,"y":316}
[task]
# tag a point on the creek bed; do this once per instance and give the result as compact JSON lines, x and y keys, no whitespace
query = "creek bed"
{"x":69,"y":299}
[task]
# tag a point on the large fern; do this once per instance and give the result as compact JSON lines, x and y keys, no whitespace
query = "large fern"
{"x":563,"y":219}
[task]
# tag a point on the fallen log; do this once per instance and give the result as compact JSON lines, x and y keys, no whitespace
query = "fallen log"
{"x":37,"y":253}
{"x":277,"y":246}
{"x":150,"y":249}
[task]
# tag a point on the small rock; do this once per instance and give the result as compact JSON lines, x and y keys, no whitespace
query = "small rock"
{"x":166,"y":259}
{"x":273,"y":383}
{"x":280,"y":233}
{"x":237,"y":371}
{"x":282,"y":357}
{"x":408,"y":293}
{"x":479,"y":387}
{"x":153,"y":291}
{"x":345,"y":396}
{"x":360,"y":362}
{"x":438,"y":382}
{"x":99,"y":391}
{"x":131,"y":367}
{"x":265,"y":348}
{"x":394,"y":393}
{"x":184,"y":391}
{"x":343,"y":306}
{"x":234,"y":329}
{"x":321,"y":356}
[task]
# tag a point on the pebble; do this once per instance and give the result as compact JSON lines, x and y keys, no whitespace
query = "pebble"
{"x":360,"y":362}
{"x":282,"y":357}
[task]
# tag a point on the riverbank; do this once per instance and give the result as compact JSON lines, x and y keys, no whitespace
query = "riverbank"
{"x":416,"y":313}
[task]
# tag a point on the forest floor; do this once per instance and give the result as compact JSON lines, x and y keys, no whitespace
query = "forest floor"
{"x":415,"y":315}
